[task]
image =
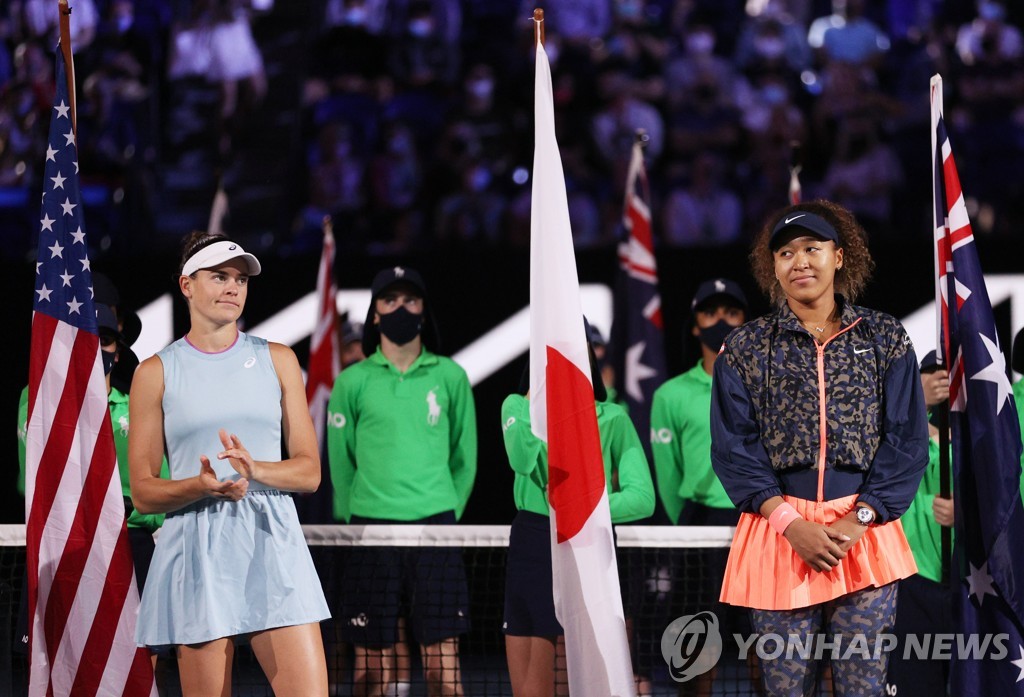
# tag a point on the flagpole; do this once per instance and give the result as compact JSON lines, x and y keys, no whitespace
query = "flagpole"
{"x":69,"y":61}
{"x":942,"y":341}
{"x":538,"y":28}
{"x":795,"y":165}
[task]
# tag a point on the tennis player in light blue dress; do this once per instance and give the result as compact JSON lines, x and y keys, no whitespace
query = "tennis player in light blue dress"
{"x":231,"y":560}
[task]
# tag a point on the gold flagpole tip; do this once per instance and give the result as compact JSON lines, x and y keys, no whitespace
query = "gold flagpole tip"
{"x":538,"y":33}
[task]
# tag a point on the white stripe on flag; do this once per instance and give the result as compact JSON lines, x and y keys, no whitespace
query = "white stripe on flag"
{"x":589,"y":607}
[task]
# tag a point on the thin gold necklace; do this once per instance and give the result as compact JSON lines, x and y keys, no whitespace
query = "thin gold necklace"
{"x":820,"y":330}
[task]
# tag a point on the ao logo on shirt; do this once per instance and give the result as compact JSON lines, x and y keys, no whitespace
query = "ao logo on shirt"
{"x":336,"y":419}
{"x":122,"y":422}
{"x":661,"y":435}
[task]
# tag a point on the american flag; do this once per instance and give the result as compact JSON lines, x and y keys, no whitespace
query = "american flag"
{"x":642,"y":331}
{"x":989,"y":566}
{"x":83,"y":600}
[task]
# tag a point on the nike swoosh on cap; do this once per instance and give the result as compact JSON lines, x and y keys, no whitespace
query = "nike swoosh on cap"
{"x":787,"y":221}
{"x":865,"y":350}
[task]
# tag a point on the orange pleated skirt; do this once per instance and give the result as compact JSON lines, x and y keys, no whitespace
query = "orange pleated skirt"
{"x":763,"y":571}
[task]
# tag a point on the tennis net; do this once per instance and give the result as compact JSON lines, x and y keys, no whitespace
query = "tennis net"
{"x":665,"y":572}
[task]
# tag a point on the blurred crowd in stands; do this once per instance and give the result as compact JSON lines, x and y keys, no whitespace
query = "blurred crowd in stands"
{"x":411,"y":121}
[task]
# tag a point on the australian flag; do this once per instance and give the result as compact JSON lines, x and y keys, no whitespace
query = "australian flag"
{"x":989,"y":558}
{"x":639,"y":328}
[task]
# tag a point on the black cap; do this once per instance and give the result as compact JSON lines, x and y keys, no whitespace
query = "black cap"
{"x":594,"y":335}
{"x":724,"y":287}
{"x":1017,"y":354}
{"x":351,"y":331}
{"x":106,"y":319}
{"x":381,"y":282}
{"x":395,"y":275}
{"x":930,"y":363}
{"x":811,"y":222}
{"x":104,"y":292}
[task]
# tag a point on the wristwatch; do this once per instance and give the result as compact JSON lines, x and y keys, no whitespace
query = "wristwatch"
{"x":865,"y":516}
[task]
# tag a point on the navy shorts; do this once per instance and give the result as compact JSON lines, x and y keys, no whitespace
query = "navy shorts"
{"x":379,"y":584}
{"x":529,"y":601}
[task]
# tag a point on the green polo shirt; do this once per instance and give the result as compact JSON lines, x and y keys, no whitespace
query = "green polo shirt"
{"x":923,"y":533}
{"x":401,"y":446}
{"x":681,"y":443}
{"x":630,"y":489}
{"x":118,"y":402}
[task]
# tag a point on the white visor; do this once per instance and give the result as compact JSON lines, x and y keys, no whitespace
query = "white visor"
{"x":218,"y":253}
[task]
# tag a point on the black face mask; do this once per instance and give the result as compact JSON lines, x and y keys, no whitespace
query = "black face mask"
{"x":713,"y":336}
{"x":401,"y":326}
{"x":109,"y":357}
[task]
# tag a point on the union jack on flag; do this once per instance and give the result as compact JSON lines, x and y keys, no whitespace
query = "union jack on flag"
{"x":642,"y":334}
{"x":83,"y":600}
{"x":988,"y":566}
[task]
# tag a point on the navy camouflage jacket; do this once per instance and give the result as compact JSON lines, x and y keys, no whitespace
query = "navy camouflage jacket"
{"x":783,"y":405}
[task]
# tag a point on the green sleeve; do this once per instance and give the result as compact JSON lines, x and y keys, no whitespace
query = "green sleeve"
{"x":150,"y":521}
{"x":633,"y":498}
{"x":463,"y":441}
{"x":22,"y":436}
{"x":668,"y":455}
{"x":342,"y":417}
{"x":527,"y":454}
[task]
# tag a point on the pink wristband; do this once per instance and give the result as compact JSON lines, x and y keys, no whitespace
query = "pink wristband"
{"x":781,"y":517}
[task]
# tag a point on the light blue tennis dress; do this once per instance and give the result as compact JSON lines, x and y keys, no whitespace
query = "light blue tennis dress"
{"x":223,"y":568}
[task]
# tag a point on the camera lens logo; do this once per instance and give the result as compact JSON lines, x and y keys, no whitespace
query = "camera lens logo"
{"x":691,"y":645}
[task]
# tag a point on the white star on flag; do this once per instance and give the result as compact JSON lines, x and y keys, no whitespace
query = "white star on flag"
{"x":73,"y":306}
{"x":85,"y":264}
{"x":50,"y":153}
{"x":1020,"y":663}
{"x":58,"y":181}
{"x":980,"y":583}
{"x":47,"y":222}
{"x":636,"y":370}
{"x":62,"y":110}
{"x":68,"y":206}
{"x":44,"y":293}
{"x":70,"y":137}
{"x":79,"y":236}
{"x":56,"y":250}
{"x":995,"y":372}
{"x":66,"y":277}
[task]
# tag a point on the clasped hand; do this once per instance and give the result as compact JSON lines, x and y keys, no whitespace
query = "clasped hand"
{"x":823,"y":546}
{"x":239,"y":458}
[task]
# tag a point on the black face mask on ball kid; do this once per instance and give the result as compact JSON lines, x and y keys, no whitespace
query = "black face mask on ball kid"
{"x":713,"y":336}
{"x":109,"y":358}
{"x":401,"y":326}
